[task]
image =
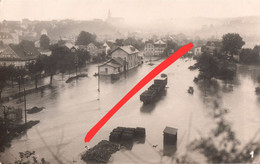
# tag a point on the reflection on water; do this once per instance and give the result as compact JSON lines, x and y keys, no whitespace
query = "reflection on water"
{"x":72,"y":109}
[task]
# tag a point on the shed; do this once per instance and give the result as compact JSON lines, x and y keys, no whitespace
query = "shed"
{"x":170,"y":136}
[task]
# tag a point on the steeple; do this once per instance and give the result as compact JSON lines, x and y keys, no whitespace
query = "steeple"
{"x":109,"y":14}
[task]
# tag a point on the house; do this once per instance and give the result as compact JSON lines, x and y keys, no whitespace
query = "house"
{"x":92,"y":49}
{"x":197,"y":51}
{"x":112,"y":66}
{"x":9,"y":38}
{"x":149,"y":49}
{"x":128,"y":54}
{"x":18,"y":55}
{"x":109,"y":46}
{"x":45,"y":52}
{"x":211,"y":47}
{"x":154,"y":49}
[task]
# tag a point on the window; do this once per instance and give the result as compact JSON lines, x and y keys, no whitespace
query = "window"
{"x":106,"y":70}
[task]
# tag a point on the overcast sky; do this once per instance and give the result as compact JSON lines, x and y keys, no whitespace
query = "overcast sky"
{"x":131,"y":10}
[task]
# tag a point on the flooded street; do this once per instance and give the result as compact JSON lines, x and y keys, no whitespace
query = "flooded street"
{"x":72,"y":109}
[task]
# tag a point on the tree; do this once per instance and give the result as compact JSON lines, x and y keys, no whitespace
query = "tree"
{"x":232,"y":43}
{"x":213,"y":66}
{"x":44,"y":42}
{"x":27,"y":42}
{"x":120,"y":42}
{"x":170,"y":46}
{"x":35,"y":69}
{"x":207,"y":66}
{"x":4,"y":77}
{"x":50,"y":66}
{"x":137,"y":43}
{"x":19,"y":76}
{"x":85,"y":38}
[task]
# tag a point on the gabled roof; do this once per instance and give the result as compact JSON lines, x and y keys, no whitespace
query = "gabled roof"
{"x":118,"y":60}
{"x":69,"y":45}
{"x":128,"y":49}
{"x":25,"y":51}
{"x":111,"y":45}
{"x":115,"y":62}
{"x":160,"y":42}
{"x":170,"y":130}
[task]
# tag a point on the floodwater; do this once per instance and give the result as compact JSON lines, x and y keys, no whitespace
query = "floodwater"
{"x":71,"y":110}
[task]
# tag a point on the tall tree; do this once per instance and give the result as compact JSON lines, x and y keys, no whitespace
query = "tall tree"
{"x":232,"y":43}
{"x":4,"y":77}
{"x":35,"y":69}
{"x":44,"y":42}
{"x":85,"y":38}
{"x":19,"y":76}
{"x":50,"y":66}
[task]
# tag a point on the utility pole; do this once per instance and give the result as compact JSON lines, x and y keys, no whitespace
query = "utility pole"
{"x":98,"y":79}
{"x":76,"y":63}
{"x":25,"y":115}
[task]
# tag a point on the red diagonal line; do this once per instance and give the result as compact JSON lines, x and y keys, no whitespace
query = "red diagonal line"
{"x":171,"y":59}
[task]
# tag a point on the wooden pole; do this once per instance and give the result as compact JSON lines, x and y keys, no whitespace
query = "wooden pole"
{"x":98,"y":79}
{"x":25,"y":115}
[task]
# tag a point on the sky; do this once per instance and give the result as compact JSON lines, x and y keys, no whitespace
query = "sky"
{"x":131,"y":10}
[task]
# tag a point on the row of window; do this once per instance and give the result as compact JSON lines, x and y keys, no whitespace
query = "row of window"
{"x":4,"y":37}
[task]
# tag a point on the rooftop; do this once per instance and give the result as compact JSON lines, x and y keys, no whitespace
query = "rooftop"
{"x":160,"y":42}
{"x":128,"y":49}
{"x":170,"y":130}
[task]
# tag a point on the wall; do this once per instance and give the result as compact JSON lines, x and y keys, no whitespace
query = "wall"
{"x":111,"y":70}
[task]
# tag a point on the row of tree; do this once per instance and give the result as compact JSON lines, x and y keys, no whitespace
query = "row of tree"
{"x":137,"y":43}
{"x":221,"y":64}
{"x":250,"y":56}
{"x":61,"y":60}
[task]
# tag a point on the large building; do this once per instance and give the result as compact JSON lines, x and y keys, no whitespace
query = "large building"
{"x":127,"y":53}
{"x":154,"y":49}
{"x":123,"y":59}
{"x":18,"y":55}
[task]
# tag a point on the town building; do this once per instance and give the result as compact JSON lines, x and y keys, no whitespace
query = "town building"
{"x":112,"y":66}
{"x":123,"y":59}
{"x":109,"y":46}
{"x":128,"y":54}
{"x":197,"y":51}
{"x":92,"y":49}
{"x":154,"y":49}
{"x":18,"y":55}
{"x":9,"y":38}
{"x":211,"y":47}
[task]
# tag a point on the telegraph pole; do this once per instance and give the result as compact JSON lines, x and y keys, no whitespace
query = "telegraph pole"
{"x":98,"y":79}
{"x":25,"y":115}
{"x":76,"y":63}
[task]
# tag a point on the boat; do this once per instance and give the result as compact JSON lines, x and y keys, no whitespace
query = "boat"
{"x":191,"y":90}
{"x":154,"y":90}
{"x":34,"y":110}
